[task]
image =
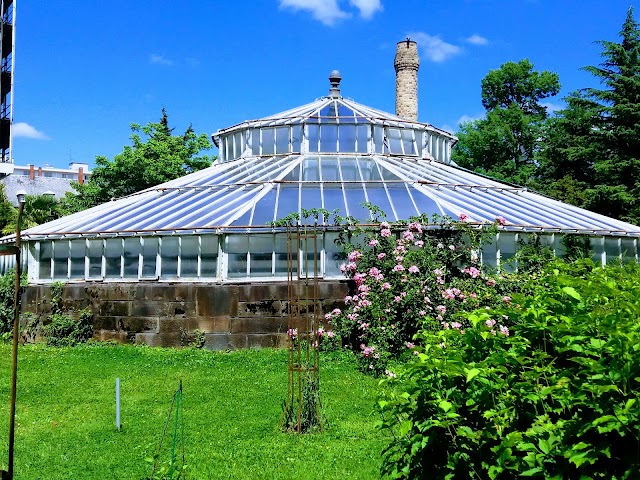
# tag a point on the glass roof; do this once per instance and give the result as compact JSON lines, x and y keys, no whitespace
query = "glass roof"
{"x":253,"y":192}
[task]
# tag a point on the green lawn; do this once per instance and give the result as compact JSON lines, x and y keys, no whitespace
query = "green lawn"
{"x":232,"y":403}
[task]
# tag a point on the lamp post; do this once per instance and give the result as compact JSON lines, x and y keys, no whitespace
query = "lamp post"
{"x":14,"y":352}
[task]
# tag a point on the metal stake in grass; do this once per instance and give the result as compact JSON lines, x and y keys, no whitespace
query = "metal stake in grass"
{"x":302,"y":408}
{"x":118,"y":404}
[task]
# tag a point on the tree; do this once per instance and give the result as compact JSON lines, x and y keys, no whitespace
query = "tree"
{"x":38,"y":209}
{"x":591,"y":154}
{"x":155,"y":156}
{"x":505,"y":143}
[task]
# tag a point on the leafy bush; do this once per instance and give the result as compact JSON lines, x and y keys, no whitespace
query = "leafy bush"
{"x":408,"y":277}
{"x":7,"y":289}
{"x":554,"y":393}
{"x":65,"y":331}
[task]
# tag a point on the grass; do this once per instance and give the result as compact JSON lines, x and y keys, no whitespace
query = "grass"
{"x":65,"y":414}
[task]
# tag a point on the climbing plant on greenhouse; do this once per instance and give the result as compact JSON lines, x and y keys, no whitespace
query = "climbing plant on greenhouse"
{"x":409,"y":276}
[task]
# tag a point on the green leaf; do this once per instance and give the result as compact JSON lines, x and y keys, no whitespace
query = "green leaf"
{"x":532,"y":472}
{"x":471,"y":373}
{"x":445,"y":405}
{"x":572,"y":292}
{"x":405,"y":427}
{"x":544,"y":446}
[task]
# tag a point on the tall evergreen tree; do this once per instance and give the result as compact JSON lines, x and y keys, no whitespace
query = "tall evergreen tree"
{"x":591,"y":154}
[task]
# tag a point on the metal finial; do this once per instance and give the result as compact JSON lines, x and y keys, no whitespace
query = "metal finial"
{"x":334,"y":79}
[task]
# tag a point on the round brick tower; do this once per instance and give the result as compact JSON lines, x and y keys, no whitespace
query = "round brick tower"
{"x":406,"y":64}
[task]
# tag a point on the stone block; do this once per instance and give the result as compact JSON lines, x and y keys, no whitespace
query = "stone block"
{"x":157,"y":339}
{"x":153,"y":291}
{"x":213,"y":324}
{"x":218,"y":341}
{"x":114,"y":308}
{"x":259,"y":325}
{"x":263,"y":341}
{"x":176,"y":325}
{"x":216,"y":300}
{"x":272,"y":307}
{"x":138,"y":324}
{"x":106,"y":335}
{"x":101,"y":322}
{"x":150,"y":308}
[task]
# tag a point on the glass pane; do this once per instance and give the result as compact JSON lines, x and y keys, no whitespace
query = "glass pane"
{"x":597,"y":248}
{"x":311,"y":198}
{"x":314,"y":135}
{"x":265,"y":209}
{"x":296,"y":138}
{"x":347,"y":138}
{"x":77,"y":258}
{"x":261,"y":249}
{"x":255,"y":141}
{"x":362,"y":138}
{"x":407,"y":142}
{"x":333,"y":199}
{"x":378,"y":139}
{"x":237,"y":248}
{"x":282,"y":262}
{"x":334,"y":256}
{"x":628,"y":249}
{"x":507,"y":245}
{"x":424,"y":203}
{"x":393,"y":139}
{"x":489,"y":255}
{"x":419,"y":140}
{"x":149,"y":257}
{"x":328,"y":138}
{"x":401,"y":201}
{"x":209,"y":256}
{"x":311,"y":247}
{"x":267,"y":141}
{"x":60,"y":259}
{"x":112,"y":257}
{"x":189,"y":247}
{"x":349,"y":170}
{"x":329,"y":169}
{"x":237,"y":145}
{"x":310,"y":170}
{"x":169,"y":250}
{"x":287,"y":201}
{"x":378,"y":197}
{"x":368,"y":169}
{"x":282,"y":140}
{"x":612,"y":249}
{"x":44,"y":261}
{"x":355,"y":198}
{"x":131,"y":257}
{"x":94,"y":252}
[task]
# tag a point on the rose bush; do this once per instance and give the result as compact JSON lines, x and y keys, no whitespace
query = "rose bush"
{"x":411,"y":276}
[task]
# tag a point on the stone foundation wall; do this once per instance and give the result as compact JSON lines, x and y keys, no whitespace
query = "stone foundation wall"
{"x":231,"y":316}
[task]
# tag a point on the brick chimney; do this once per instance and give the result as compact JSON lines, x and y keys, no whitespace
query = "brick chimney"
{"x":80,"y":176}
{"x":32,"y":172}
{"x":407,"y":64}
{"x":39,"y":171}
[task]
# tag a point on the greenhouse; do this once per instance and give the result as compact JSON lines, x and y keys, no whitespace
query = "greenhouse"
{"x":216,"y":225}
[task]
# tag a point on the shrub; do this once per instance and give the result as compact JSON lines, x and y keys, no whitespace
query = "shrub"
{"x":409,"y":277}
{"x":7,"y":289}
{"x":554,"y":393}
{"x":65,"y":331}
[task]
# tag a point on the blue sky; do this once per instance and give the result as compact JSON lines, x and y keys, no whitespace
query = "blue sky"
{"x":85,"y":70}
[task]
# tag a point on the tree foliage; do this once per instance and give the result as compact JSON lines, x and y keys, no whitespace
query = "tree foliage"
{"x":155,"y":156}
{"x":504,"y":143}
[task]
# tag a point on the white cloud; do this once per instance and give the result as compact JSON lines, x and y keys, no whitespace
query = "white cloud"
{"x":156,"y":59}
{"x":434,"y":48}
{"x":327,"y":11}
{"x":470,"y":118}
{"x":477,"y":40}
{"x":367,"y":7}
{"x":551,"y":107}
{"x":24,"y":130}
